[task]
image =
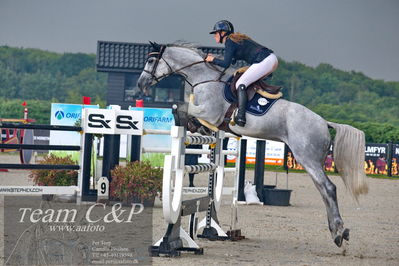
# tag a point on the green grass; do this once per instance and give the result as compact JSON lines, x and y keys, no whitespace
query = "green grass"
{"x":278,"y":168}
{"x":155,"y":159}
{"x":75,"y":155}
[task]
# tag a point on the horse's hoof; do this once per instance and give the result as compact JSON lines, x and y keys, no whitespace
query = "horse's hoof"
{"x":345,"y":234}
{"x":338,"y":241}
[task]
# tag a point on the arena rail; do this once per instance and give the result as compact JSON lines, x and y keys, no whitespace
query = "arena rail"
{"x":81,"y":191}
{"x":94,"y":121}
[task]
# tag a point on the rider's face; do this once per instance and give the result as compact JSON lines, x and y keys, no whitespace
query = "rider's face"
{"x":217,"y":36}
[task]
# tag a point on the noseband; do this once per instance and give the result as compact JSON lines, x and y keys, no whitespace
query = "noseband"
{"x":159,"y":57}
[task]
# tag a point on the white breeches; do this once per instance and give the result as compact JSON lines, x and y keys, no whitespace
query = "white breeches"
{"x":258,"y":70}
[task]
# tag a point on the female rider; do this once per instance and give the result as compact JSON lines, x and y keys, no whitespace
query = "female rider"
{"x":241,"y":47}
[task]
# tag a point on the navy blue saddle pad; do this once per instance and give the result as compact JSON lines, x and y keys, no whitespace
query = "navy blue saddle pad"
{"x":258,"y":105}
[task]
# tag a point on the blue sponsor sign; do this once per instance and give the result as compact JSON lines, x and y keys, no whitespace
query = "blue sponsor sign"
{"x":156,"y":118}
{"x":64,"y":114}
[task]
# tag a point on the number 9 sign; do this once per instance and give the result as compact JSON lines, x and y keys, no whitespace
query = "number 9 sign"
{"x":103,"y":188}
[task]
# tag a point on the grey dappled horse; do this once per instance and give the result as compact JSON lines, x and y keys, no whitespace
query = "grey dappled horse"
{"x":305,"y":132}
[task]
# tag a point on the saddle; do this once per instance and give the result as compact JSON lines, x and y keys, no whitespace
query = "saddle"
{"x":258,"y":89}
{"x":260,"y":86}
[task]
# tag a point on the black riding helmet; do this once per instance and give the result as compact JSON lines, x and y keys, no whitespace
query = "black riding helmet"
{"x":223,"y":25}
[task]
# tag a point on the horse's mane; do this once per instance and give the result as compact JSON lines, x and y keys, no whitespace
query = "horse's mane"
{"x":189,"y":45}
{"x":196,"y":48}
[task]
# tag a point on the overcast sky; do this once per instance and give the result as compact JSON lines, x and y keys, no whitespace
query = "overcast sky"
{"x":360,"y":35}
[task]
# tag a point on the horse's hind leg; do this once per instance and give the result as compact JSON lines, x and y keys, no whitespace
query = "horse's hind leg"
{"x":312,"y":161}
{"x":328,"y":192}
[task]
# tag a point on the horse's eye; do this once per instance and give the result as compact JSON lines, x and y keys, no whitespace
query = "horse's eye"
{"x":151,"y":60}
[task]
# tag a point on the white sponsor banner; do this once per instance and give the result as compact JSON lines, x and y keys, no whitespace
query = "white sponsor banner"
{"x":110,"y":121}
{"x":37,"y":190}
{"x":274,"y":153}
{"x":204,"y":190}
{"x":101,"y":121}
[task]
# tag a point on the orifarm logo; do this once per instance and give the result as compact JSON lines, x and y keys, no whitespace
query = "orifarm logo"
{"x":61,"y":115}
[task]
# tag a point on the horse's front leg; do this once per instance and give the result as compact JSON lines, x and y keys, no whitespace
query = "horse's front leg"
{"x":186,"y":115}
{"x":195,"y":110}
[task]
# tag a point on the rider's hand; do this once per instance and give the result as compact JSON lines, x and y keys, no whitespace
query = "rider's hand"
{"x":209,"y":58}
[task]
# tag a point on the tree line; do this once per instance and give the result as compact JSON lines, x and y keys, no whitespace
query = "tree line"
{"x":41,"y":77}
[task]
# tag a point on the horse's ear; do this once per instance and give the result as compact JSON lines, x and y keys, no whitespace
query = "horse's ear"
{"x":155,"y":46}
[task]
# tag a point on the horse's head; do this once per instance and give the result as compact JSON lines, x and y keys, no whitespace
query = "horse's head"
{"x":165,"y":60}
{"x":155,"y":68}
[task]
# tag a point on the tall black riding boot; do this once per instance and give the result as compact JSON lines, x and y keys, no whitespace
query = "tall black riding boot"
{"x":242,"y":104}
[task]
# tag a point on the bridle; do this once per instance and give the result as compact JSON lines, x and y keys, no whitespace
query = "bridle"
{"x":159,"y":57}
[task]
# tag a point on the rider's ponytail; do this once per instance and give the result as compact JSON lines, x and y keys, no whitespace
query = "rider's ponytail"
{"x":238,"y":37}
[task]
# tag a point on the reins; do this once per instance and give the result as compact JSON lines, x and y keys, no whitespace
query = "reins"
{"x":159,"y":57}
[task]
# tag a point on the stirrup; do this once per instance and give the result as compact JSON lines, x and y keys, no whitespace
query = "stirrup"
{"x":240,"y":122}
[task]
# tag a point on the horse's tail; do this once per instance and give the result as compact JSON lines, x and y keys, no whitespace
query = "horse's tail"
{"x":349,"y":150}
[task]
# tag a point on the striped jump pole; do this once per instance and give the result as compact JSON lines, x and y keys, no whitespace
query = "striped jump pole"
{"x":173,"y":205}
